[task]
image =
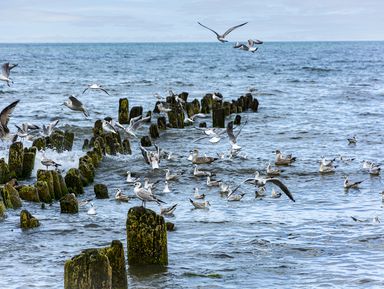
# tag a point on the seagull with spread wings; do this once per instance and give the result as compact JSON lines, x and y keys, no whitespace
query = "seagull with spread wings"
{"x":221,"y":37}
{"x":95,"y":86}
{"x":76,"y":105}
{"x":5,"y":71}
{"x":4,"y":119}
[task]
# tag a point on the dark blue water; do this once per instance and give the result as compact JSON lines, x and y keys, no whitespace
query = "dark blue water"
{"x":312,"y":96}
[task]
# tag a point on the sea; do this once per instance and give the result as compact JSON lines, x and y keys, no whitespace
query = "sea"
{"x":312,"y":95}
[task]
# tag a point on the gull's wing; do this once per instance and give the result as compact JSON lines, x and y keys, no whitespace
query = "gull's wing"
{"x":233,"y":28}
{"x":283,"y":187}
{"x":85,"y":89}
{"x":137,"y":124}
{"x":202,"y":115}
{"x":103,"y":89}
{"x":237,"y":45}
{"x":252,"y":42}
{"x":75,"y":101}
{"x":237,"y":134}
{"x":231,"y":136}
{"x":144,"y":152}
{"x":217,"y":34}
{"x":11,"y":66}
{"x":31,"y":126}
{"x":119,"y":125}
{"x":5,"y":69}
{"x":53,"y":124}
{"x":6,"y":113}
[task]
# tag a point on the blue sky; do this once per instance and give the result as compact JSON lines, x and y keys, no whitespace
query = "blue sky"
{"x":175,"y":20}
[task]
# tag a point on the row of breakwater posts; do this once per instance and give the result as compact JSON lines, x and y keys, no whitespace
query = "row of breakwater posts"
{"x":146,"y":231}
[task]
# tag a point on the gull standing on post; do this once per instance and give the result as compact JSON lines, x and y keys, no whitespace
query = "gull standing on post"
{"x":76,"y":105}
{"x":221,"y":37}
{"x":145,"y":195}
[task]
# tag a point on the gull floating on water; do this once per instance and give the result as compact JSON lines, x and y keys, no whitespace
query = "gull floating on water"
{"x":199,"y":205}
{"x":327,"y":166}
{"x":196,"y":159}
{"x":281,"y":160}
{"x":145,"y":195}
{"x":200,"y":173}
{"x":4,"y":119}
{"x":349,"y":185}
{"x":221,"y":37}
{"x":130,"y":179}
{"x":5,"y":71}
{"x":260,"y":193}
{"x":166,"y":187}
{"x":235,"y":197}
{"x":374,"y":170}
{"x":119,"y":196}
{"x":212,"y":183}
{"x":151,"y":158}
{"x":352,"y":140}
{"x":272,"y":171}
{"x":48,"y":129}
{"x":95,"y":86}
{"x":168,"y":211}
{"x":275,"y":194}
{"x":74,"y":104}
{"x":92,"y":210}
{"x":196,"y":194}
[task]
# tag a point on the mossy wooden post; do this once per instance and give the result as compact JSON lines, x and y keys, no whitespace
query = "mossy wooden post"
{"x":73,"y":182}
{"x":98,"y":128}
{"x":196,"y":106}
{"x":89,"y":270}
{"x":112,"y":146}
{"x":86,"y":145}
{"x":218,"y":118}
{"x":205,"y":105}
{"x":233,"y":107}
{"x":46,"y":176}
{"x":101,"y":191}
{"x":15,"y":160}
{"x":116,"y":258}
{"x":69,"y":204}
{"x":57,"y":185}
{"x":237,"y":120}
{"x":146,"y":237}
{"x":184,"y":96}
{"x":4,"y":172}
{"x":255,"y":105}
{"x":63,"y":186}
{"x":135,"y":111}
{"x":227,"y":108}
{"x":87,"y":173}
{"x":145,"y":141}
{"x":68,"y":140}
{"x":2,"y":209}
{"x":11,"y":196}
{"x":162,"y":123}
{"x":154,"y":131}
{"x":27,"y":221}
{"x":39,"y":143}
{"x":29,"y":193}
{"x":28,"y":161}
{"x":126,"y":146}
{"x":123,"y":116}
{"x":57,"y":140}
{"x":43,"y":191}
{"x":176,"y":119}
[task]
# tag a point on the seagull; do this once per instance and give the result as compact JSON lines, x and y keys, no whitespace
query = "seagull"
{"x":134,"y":124}
{"x":92,"y":210}
{"x":108,"y":127}
{"x":374,"y":170}
{"x":349,"y":185}
{"x":83,"y":202}
{"x":260,"y":193}
{"x":352,"y":140}
{"x":4,"y":119}
{"x":166,"y":187}
{"x":217,"y":96}
{"x":199,"y":205}
{"x":261,"y":182}
{"x":48,"y":129}
{"x":6,"y":70}
{"x":151,"y":158}
{"x":95,"y":87}
{"x":224,"y":188}
{"x":145,"y":195}
{"x":275,"y":194}
{"x":162,"y":108}
{"x":201,"y":160}
{"x":199,"y":173}
{"x":250,"y":46}
{"x":168,"y":211}
{"x":221,"y":38}
{"x":235,"y":197}
{"x":212,"y":183}
{"x":24,"y":128}
{"x":130,"y":179}
{"x":191,"y":119}
{"x":281,"y":160}
{"x":158,"y":96}
{"x":76,"y":105}
{"x":272,"y":171}
{"x":148,"y":185}
{"x":170,"y":177}
{"x":367,"y":164}
{"x":119,"y":196}
{"x":196,"y":194}
{"x":232,"y":137}
{"x":49,"y":163}
{"x":374,"y":220}
{"x":326,"y":166}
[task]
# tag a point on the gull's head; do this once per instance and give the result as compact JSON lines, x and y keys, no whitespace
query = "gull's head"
{"x":277,"y":152}
{"x":197,"y":189}
{"x":207,"y":203}
{"x":137,"y":185}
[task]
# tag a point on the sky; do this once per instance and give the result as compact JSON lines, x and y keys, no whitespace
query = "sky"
{"x":176,"y":20}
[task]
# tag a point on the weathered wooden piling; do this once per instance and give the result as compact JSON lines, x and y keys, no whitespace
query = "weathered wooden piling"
{"x":11,"y":196}
{"x":97,"y":269}
{"x":203,"y":124}
{"x":68,"y":140}
{"x":254,"y":105}
{"x":218,"y":118}
{"x":126,"y":146}
{"x":227,"y":108}
{"x":2,"y":208}
{"x":4,"y":171}
{"x":145,"y":141}
{"x":29,"y":193}
{"x":43,"y":191}
{"x":154,"y":131}
{"x":27,"y":221}
{"x":85,"y":146}
{"x":46,"y":176}
{"x":176,"y":119}
{"x":69,"y":204}
{"x":184,"y":96}
{"x":123,"y":116}
{"x":135,"y":111}
{"x":40,"y":143}
{"x":28,"y":162}
{"x":98,"y":128}
{"x":146,"y":237}
{"x":15,"y":160}
{"x":205,"y":106}
{"x":87,"y":172}
{"x":162,"y":123}
{"x":196,"y":106}
{"x":237,"y":120}
{"x":101,"y":191}
{"x":112,"y":143}
{"x":57,"y":141}
{"x":73,"y":182}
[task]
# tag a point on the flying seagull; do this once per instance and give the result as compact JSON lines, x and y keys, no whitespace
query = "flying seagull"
{"x":75,"y":104}
{"x":6,"y":70}
{"x":95,"y":86}
{"x":4,"y":119}
{"x":48,"y":129}
{"x":221,"y":38}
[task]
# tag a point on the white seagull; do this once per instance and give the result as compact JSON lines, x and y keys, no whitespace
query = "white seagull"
{"x":4,"y":119}
{"x":95,"y":86}
{"x":221,"y":37}
{"x":5,"y":71}
{"x":74,"y":104}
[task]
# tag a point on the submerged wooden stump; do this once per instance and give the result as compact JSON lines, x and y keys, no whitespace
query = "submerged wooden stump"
{"x":29,"y":193}
{"x":123,"y":111}
{"x":28,"y":162}
{"x":40,"y":143}
{"x":135,"y":111}
{"x":43,"y":191}
{"x":15,"y":160}
{"x":68,"y":140}
{"x":101,"y":191}
{"x":57,"y":141}
{"x":27,"y":221}
{"x":11,"y":196}
{"x":145,"y":141}
{"x":154,"y":131}
{"x":46,"y":176}
{"x":146,"y":237}
{"x":255,"y":105}
{"x":162,"y":123}
{"x":2,"y":209}
{"x":97,"y":269}
{"x":218,"y":118}
{"x":73,"y":182}
{"x":69,"y":204}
